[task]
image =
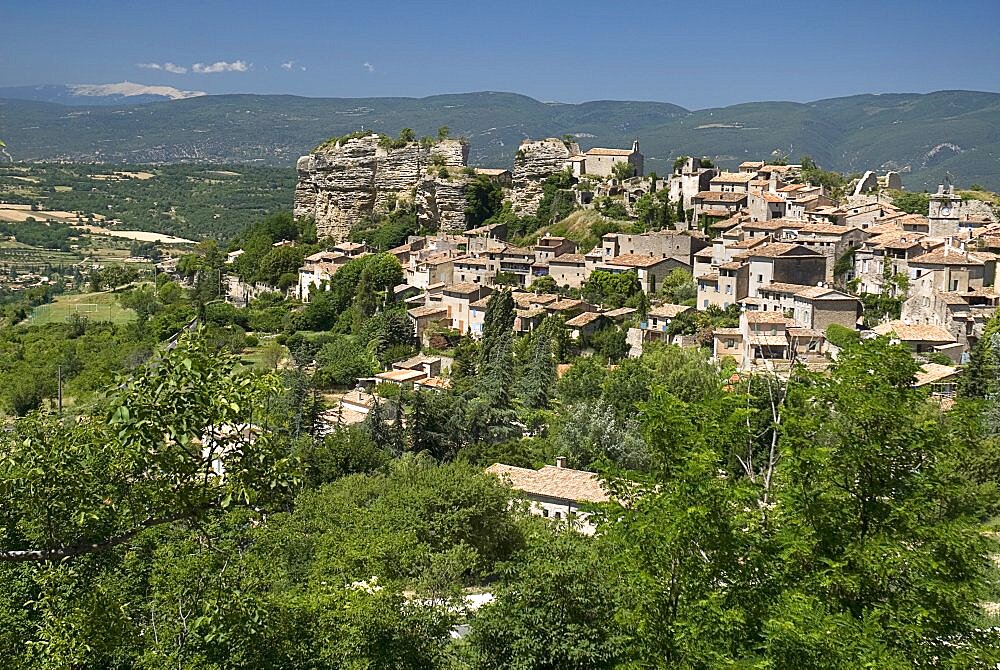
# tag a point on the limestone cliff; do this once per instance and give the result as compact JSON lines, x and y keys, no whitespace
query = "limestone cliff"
{"x":534,"y":162}
{"x":341,"y":183}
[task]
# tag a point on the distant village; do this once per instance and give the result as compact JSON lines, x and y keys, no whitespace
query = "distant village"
{"x":791,"y":257}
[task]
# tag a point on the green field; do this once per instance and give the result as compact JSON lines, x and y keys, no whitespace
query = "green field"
{"x":101,"y":306}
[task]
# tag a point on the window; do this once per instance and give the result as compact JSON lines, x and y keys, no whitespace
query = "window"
{"x":545,"y":512}
{"x":729,"y":289}
{"x":760,"y":279}
{"x":706,"y":303}
{"x":813,"y":345}
{"x":558,"y":515}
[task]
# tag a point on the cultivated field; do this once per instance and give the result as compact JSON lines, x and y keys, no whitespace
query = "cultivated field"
{"x":102,"y":306}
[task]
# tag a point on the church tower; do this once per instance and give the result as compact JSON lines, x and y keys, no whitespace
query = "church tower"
{"x":944,"y":211}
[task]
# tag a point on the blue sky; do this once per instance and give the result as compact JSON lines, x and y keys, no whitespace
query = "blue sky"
{"x":689,"y":53}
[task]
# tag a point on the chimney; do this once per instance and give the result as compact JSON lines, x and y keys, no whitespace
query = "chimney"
{"x":560,"y":462}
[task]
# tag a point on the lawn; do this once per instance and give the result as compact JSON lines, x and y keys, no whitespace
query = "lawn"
{"x":102,"y":306}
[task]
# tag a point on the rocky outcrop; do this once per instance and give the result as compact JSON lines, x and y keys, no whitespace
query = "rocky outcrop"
{"x":341,"y":183}
{"x":534,"y":162}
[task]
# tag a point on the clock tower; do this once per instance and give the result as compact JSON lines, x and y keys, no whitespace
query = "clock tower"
{"x":944,"y":210}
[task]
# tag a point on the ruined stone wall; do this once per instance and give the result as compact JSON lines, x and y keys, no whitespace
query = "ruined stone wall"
{"x":342,"y":184}
{"x":534,"y":162}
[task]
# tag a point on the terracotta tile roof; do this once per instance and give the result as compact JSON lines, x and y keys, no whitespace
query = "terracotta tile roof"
{"x":400,"y":375}
{"x":465,"y":288}
{"x":477,"y":262}
{"x":771,"y":197}
{"x":752,"y":164}
{"x":620,"y":312}
{"x":566,"y":259}
{"x":776,"y":168}
{"x":720,"y":196}
{"x":553,"y":482}
{"x":492,"y":172}
{"x":776,"y":249}
{"x":757,"y":316}
{"x":635,"y":261}
{"x":709,"y":278}
{"x":602,"y":151}
{"x":583,"y":319}
{"x":427,"y":310}
{"x":716,"y":211}
{"x":480,"y":304}
{"x":669,"y":311}
{"x":440,"y":257}
{"x":567,"y":304}
{"x":811,"y":333}
{"x":733,"y":178}
{"x":948,"y":256}
{"x":529,"y":313}
{"x":731,"y":265}
{"x":769,"y":340}
{"x":773,"y":224}
{"x":781,"y":287}
{"x":416,"y":362}
{"x":728,"y":331}
{"x":791,"y":188}
{"x":910,"y":332}
{"x":704,"y":253}
{"x":933,"y":372}
{"x":748,"y":243}
{"x":434,"y":382}
{"x":523,"y":299}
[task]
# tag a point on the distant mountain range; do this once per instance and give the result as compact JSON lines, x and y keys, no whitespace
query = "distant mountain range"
{"x":921,"y":135}
{"x":122,"y":93}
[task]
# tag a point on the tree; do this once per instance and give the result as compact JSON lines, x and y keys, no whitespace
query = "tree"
{"x":483,"y":200}
{"x":559,"y":580}
{"x":912,"y":203}
{"x":623,"y":170}
{"x":149,"y":458}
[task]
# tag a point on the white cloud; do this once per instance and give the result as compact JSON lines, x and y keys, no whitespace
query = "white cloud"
{"x":168,"y":67}
{"x":368,"y":66}
{"x":288,"y":65}
{"x":220,"y":66}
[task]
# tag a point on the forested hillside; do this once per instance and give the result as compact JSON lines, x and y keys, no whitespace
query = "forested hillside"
{"x":922,"y":135}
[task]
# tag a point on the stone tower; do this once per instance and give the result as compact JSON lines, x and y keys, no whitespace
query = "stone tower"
{"x":944,"y":211}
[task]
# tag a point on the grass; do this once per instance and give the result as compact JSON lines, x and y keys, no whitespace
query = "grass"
{"x":584,"y":226}
{"x":102,"y":306}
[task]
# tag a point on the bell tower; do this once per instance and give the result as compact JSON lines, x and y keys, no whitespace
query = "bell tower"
{"x":944,"y":210}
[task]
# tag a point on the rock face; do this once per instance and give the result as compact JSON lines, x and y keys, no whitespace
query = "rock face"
{"x":341,"y":184}
{"x":536,"y":160}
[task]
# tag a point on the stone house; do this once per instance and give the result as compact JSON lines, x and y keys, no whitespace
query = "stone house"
{"x":732,"y":182}
{"x":584,"y":324}
{"x":963,"y":314}
{"x":657,"y":322}
{"x":569,"y":270}
{"x":680,"y":245}
{"x":829,"y":240}
{"x":689,"y":180}
{"x":784,"y":262}
{"x":651,"y":271}
{"x":555,"y":492}
{"x":471,"y":270}
{"x":890,"y":251}
{"x":765,"y":206}
{"x":814,"y":307}
{"x":717,"y":204}
{"x":457,"y":298}
{"x":426,"y":316}
{"x":724,"y":287}
{"x":568,"y":307}
{"x":922,"y":338}
{"x":600,"y":161}
{"x":955,"y":270}
{"x":548,"y":247}
{"x":502,"y":177}
{"x":435,"y":268}
{"x":768,"y":340}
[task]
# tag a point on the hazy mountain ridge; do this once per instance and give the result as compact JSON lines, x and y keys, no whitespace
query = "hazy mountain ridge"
{"x":923,"y":135}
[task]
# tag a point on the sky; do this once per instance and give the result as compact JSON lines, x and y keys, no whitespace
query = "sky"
{"x":695,"y":54}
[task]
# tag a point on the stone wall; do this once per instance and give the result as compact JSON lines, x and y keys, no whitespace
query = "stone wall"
{"x":341,"y":184}
{"x":534,"y":162}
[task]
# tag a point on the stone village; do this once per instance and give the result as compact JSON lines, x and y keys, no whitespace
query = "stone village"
{"x":784,"y":257}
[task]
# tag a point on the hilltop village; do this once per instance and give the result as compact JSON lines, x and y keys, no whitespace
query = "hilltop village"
{"x":766,"y":265}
